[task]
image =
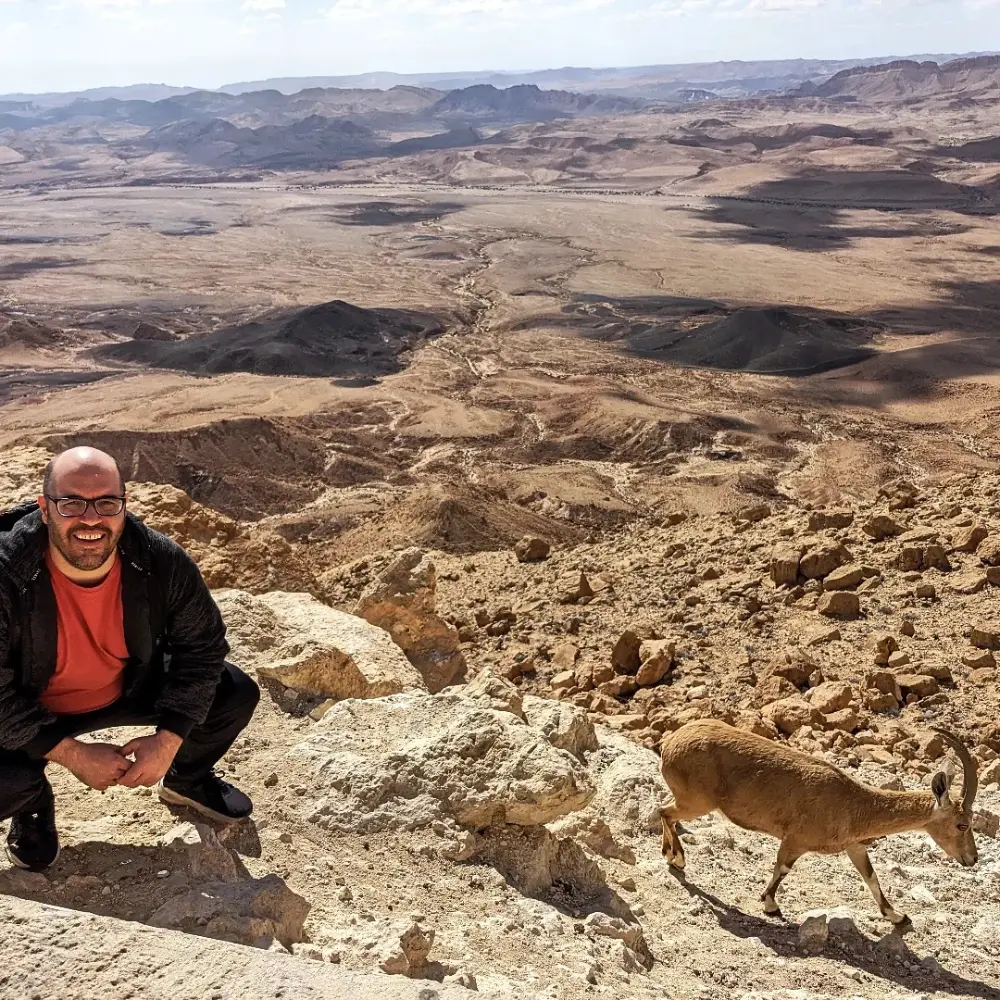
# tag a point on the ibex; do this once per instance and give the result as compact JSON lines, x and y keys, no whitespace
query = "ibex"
{"x":808,"y":804}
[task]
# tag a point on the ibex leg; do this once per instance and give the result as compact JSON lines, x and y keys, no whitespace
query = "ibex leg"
{"x":787,"y":857}
{"x":859,"y":856}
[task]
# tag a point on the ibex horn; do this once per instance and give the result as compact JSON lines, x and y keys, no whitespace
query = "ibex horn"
{"x":970,"y":780}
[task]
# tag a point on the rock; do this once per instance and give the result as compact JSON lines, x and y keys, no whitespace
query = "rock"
{"x":839,"y":604}
{"x":573,"y":587}
{"x":993,"y":576}
{"x":984,"y":675}
{"x":830,"y":696}
{"x":935,"y":557}
{"x":243,"y":911}
{"x":822,"y":520}
{"x":984,"y":638}
{"x":52,"y":952}
{"x":884,"y":681}
{"x":595,"y":834}
{"x":980,"y":660}
{"x":491,"y":691}
{"x":629,"y":786}
{"x":625,"y":654}
{"x":204,"y":856}
{"x":986,"y":823}
{"x":881,"y":526}
{"x":969,"y":583}
{"x":605,"y":925}
{"x":404,"y":762}
{"x":931,"y":746}
{"x":564,"y":726}
{"x":403,"y":602}
{"x":878,"y":701}
{"x":900,"y":493}
{"x":846,"y":720}
{"x":533,"y":860}
{"x":530,"y":549}
{"x":773,"y":688}
{"x":843,"y":578}
{"x":564,"y":656}
{"x":754,"y":722}
{"x":407,"y":954}
{"x":656,"y":658}
{"x":885,"y":646}
{"x":907,"y":629}
{"x":313,"y":649}
{"x":792,"y":664}
{"x":791,"y":714}
{"x":990,"y":774}
{"x":814,"y":932}
{"x":989,"y":551}
{"x":969,"y":539}
{"x":754,"y":513}
{"x":564,"y":681}
{"x":784,"y":567}
{"x":926,"y":591}
{"x":898,"y":659}
{"x":918,"y":684}
{"x":820,"y":562}
{"x":824,"y":636}
{"x":939,"y":671}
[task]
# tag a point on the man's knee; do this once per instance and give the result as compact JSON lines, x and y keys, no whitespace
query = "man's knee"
{"x":21,"y":786}
{"x":242,"y":692}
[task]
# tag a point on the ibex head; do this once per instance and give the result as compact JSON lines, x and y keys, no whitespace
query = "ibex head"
{"x":950,"y":825}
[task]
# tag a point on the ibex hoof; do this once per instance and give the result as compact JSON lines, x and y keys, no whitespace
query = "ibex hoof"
{"x":771,"y":908}
{"x":899,"y":919}
{"x":676,"y":861}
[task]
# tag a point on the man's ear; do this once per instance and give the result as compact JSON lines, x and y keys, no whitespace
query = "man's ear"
{"x":940,"y":784}
{"x":43,"y":509}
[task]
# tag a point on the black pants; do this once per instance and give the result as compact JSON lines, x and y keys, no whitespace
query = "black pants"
{"x":23,"y":784}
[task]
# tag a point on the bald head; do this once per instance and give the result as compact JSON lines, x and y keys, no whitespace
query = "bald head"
{"x":83,"y":467}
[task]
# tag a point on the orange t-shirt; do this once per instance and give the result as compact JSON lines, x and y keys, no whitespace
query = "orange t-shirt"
{"x":91,"y":653}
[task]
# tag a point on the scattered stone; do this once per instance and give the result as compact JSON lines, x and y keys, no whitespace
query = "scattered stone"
{"x":881,"y":526}
{"x":819,"y":562}
{"x":754,"y":514}
{"x":989,"y":551}
{"x":564,"y":656}
{"x":492,"y":691}
{"x":898,"y":659}
{"x":900,"y":493}
{"x":784,"y":567}
{"x":926,"y":591}
{"x":919,"y":684}
{"x":931,"y":746}
{"x":831,"y":696}
{"x":573,"y":586}
{"x":846,"y":720}
{"x":885,"y":646}
{"x":984,"y":675}
{"x":402,"y":600}
{"x":843,"y":578}
{"x":407,"y":955}
{"x":908,"y":629}
{"x":822,"y":520}
{"x":840,"y":604}
{"x":530,"y":549}
{"x":824,"y":636}
{"x":984,"y":638}
{"x":986,"y":823}
{"x":980,"y":660}
{"x":656,"y":658}
{"x":814,"y":932}
{"x":625,"y":654}
{"x":790,"y":714}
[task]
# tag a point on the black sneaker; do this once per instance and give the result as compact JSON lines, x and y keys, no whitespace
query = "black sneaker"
{"x":32,"y":842}
{"x":212,"y":797}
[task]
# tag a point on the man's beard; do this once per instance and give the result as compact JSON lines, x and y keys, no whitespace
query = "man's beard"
{"x":84,"y":557}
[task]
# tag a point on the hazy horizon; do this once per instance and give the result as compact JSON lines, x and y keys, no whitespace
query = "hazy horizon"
{"x":70,"y":45}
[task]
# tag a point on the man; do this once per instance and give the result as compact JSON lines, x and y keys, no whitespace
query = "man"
{"x":104,"y":622}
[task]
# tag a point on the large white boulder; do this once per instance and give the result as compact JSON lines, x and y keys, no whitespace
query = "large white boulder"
{"x":409,"y":760}
{"x":312,"y":648}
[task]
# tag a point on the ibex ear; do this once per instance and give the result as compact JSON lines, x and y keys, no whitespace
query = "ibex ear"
{"x":940,"y":784}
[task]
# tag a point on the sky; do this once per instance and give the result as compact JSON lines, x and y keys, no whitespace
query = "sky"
{"x":63,"y":45}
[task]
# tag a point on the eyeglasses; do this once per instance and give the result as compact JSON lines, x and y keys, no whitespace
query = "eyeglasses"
{"x":77,"y":506}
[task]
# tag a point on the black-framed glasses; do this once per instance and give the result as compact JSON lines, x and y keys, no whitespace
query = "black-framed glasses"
{"x":77,"y":506}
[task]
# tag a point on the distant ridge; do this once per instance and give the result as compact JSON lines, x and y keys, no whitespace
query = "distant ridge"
{"x":903,"y":79}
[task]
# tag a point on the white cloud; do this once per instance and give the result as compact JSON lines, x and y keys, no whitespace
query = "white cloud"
{"x":263,"y":5}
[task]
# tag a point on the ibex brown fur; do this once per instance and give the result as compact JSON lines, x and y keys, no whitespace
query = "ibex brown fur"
{"x":806,"y":802}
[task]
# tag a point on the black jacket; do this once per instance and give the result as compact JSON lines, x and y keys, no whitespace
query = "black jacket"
{"x":166,"y":608}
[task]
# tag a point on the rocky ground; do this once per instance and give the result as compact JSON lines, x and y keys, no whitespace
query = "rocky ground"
{"x":503,"y":834}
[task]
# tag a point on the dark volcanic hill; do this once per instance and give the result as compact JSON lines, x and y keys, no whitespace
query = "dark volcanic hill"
{"x":764,"y":341}
{"x":905,"y":79}
{"x":527,"y":102}
{"x":326,"y":340}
